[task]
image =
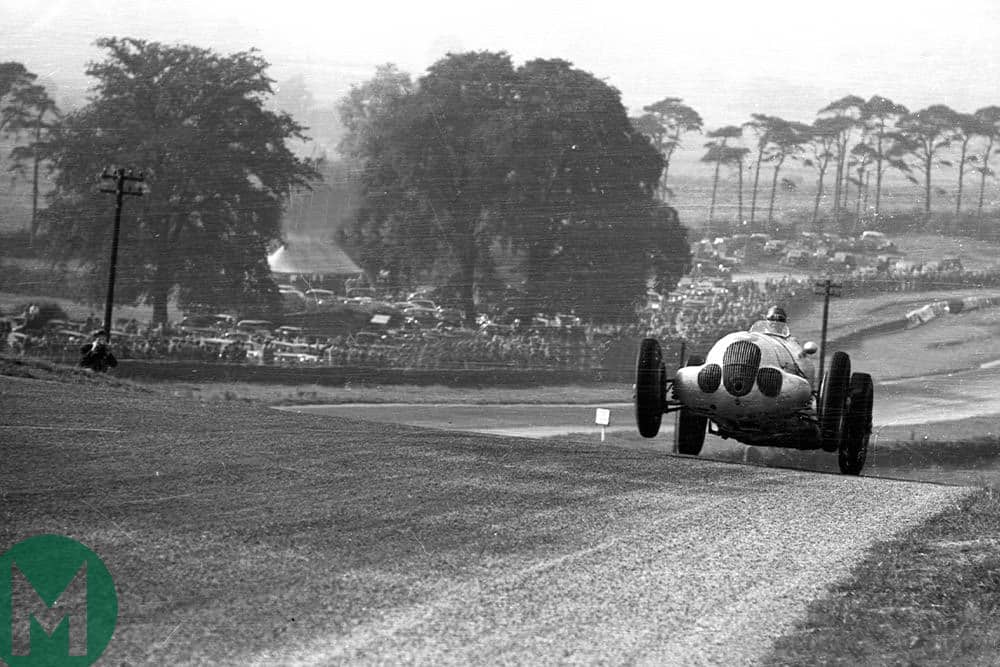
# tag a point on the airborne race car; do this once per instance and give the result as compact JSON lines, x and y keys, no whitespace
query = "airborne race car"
{"x":757,"y":387}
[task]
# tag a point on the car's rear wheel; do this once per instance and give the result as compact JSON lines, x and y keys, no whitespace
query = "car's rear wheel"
{"x":857,"y":425}
{"x":650,"y":387}
{"x":833,"y":401}
{"x":690,"y":426}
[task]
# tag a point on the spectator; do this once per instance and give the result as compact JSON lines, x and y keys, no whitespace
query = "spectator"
{"x":97,"y":355}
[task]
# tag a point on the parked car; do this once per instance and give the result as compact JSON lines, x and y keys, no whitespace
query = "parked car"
{"x":289,"y":332}
{"x":322,"y":297}
{"x":255,"y":327}
{"x":843,"y":260}
{"x":796,"y":257}
{"x":359,"y":293}
{"x":293,"y":300}
{"x":199,"y":324}
{"x":774,"y":246}
{"x":452,"y":316}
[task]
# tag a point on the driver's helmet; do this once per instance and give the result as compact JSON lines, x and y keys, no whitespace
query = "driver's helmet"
{"x":776,"y":314}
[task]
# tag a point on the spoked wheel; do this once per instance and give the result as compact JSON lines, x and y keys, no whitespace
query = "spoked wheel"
{"x":650,"y":387}
{"x":833,"y":401}
{"x":691,"y":427}
{"x":857,"y":425}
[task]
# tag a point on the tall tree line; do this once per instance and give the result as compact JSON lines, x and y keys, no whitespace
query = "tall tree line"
{"x":476,"y":164}
{"x":852,"y":144}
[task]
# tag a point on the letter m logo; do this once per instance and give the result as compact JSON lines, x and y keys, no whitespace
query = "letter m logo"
{"x":30,"y":610}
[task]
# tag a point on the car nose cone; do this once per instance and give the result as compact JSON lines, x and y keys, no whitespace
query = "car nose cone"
{"x":739,"y":367}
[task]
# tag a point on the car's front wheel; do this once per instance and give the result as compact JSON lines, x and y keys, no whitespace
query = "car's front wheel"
{"x":690,"y":426}
{"x":650,"y":387}
{"x":857,"y":425}
{"x":833,"y":401}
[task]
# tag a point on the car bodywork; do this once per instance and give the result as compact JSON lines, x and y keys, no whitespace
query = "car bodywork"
{"x":759,"y":387}
{"x":755,"y":386}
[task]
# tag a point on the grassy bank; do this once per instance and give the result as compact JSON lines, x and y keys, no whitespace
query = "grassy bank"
{"x":317,"y":394}
{"x":957,"y":455}
{"x":930,"y":597}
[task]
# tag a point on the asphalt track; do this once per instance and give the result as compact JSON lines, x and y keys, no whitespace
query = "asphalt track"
{"x":241,"y":535}
{"x":710,"y":570}
{"x":902,"y":402}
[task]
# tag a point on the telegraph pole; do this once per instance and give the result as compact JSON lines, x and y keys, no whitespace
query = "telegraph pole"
{"x":828,"y":289}
{"x":115,"y":183}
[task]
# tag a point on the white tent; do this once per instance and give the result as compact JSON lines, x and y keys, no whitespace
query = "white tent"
{"x":308,"y":256}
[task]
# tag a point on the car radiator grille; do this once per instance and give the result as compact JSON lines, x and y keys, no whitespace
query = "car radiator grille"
{"x":769,"y":381}
{"x":709,"y":378}
{"x":739,"y":367}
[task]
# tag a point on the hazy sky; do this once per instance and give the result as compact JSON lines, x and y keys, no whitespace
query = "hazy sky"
{"x":726,"y":59}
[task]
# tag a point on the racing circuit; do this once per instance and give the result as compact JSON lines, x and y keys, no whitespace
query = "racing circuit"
{"x":332,"y":534}
{"x":241,"y":536}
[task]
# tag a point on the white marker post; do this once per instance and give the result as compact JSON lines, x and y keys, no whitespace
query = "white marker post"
{"x":602,"y":418}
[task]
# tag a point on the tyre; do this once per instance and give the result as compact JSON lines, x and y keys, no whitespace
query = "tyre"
{"x":650,"y":387}
{"x":691,"y":427}
{"x":833,"y":401}
{"x":857,"y":425}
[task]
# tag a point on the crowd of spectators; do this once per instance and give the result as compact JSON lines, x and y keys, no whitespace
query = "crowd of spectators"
{"x":510,"y":347}
{"x":705,"y":311}
{"x":697,"y":314}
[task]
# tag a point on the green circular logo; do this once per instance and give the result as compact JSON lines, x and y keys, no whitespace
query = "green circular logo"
{"x":58,"y":603}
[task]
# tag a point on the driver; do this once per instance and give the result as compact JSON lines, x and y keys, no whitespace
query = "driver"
{"x":776,"y":314}
{"x":775,"y":322}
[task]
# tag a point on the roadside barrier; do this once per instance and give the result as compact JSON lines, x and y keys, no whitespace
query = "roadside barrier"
{"x":931,"y":311}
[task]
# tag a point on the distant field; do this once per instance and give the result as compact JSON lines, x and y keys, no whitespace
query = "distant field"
{"x":975,"y":255}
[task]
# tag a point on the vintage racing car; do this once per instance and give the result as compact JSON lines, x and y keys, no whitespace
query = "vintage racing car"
{"x":758,"y":387}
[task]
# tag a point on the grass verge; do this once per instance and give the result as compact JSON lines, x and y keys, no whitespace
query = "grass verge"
{"x":930,"y":597}
{"x":953,"y":457}
{"x":39,"y":369}
{"x":226,"y":392}
{"x":318,"y":394}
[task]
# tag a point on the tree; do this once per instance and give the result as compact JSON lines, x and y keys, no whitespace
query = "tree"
{"x":582,"y":206}
{"x":967,"y":126}
{"x":717,"y":154}
{"x":541,"y":161}
{"x":443,"y":150}
{"x":216,"y":161}
{"x":391,"y":231}
{"x":924,"y":136}
{"x":41,"y":124}
{"x":786,"y":139}
{"x":989,"y":128}
{"x":762,"y":126}
{"x":734,"y":156}
{"x":848,"y":110}
{"x":821,"y":139}
{"x":878,"y":115}
{"x":664,"y":123}
{"x":18,"y":94}
{"x":861,"y":158}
